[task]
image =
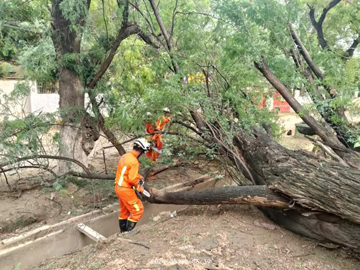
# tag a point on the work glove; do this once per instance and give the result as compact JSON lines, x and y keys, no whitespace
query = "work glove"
{"x":140,"y":188}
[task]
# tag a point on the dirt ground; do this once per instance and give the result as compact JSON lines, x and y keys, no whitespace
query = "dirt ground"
{"x":198,"y":237}
{"x":22,"y":211}
{"x":206,"y":237}
{"x":33,"y":203}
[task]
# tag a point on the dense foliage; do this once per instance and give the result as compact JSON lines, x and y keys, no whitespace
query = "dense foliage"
{"x":216,"y":42}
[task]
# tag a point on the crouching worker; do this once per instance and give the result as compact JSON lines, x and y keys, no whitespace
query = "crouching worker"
{"x":126,"y":181}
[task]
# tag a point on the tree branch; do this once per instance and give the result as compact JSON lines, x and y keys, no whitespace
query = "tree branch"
{"x":109,"y":134}
{"x":92,"y":175}
{"x":16,"y":160}
{"x":329,"y":151}
{"x":350,"y":52}
{"x":148,"y":40}
{"x":145,"y":18}
{"x":332,"y":92}
{"x":176,"y":68}
{"x":125,"y":19}
{"x":332,"y":4}
{"x":165,"y":167}
{"x":318,"y":25}
{"x":123,"y":33}
{"x":33,"y":166}
{"x":285,"y":93}
{"x":161,"y":24}
{"x":305,"y":54}
{"x":187,"y":126}
{"x":206,"y":74}
{"x":104,"y":18}
{"x":173,"y":20}
{"x":327,"y":113}
{"x":142,"y":35}
{"x":226,"y":81}
{"x":6,"y":179}
{"x":201,"y":13}
{"x":20,"y":28}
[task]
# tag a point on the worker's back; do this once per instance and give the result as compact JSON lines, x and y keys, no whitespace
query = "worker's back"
{"x":127,"y":170}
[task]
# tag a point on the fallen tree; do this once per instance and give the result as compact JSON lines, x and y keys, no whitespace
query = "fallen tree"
{"x":307,"y":194}
{"x":311,"y":196}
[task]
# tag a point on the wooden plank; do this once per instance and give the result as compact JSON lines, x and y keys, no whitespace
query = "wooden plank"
{"x":92,"y":234}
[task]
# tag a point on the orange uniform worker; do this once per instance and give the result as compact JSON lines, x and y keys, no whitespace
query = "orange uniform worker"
{"x":157,"y":138}
{"x":127,"y":178}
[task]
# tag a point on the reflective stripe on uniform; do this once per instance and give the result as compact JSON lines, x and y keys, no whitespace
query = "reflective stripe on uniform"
{"x":122,"y":176}
{"x":136,"y":207}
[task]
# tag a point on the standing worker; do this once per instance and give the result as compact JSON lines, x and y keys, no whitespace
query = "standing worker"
{"x":127,"y":181}
{"x":157,"y":138}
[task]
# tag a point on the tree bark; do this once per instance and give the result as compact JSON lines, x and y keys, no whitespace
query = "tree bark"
{"x":254,"y":195}
{"x":311,"y":182}
{"x":319,"y":226}
{"x":277,"y":206}
{"x":67,"y":40}
{"x":324,"y":193}
{"x":72,"y":101}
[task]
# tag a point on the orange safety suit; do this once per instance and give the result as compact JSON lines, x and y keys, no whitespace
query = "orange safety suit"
{"x":127,"y":177}
{"x":156,"y":138}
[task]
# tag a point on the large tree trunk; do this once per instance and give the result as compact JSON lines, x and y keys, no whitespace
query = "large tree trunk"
{"x":311,"y":196}
{"x":321,"y":227}
{"x":72,"y":101}
{"x":67,"y":41}
{"x":324,"y":193}
{"x":254,"y":195}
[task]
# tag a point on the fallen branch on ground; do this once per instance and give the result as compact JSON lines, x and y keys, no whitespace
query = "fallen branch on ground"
{"x":132,"y":242}
{"x":253,"y":195}
{"x":166,"y":167}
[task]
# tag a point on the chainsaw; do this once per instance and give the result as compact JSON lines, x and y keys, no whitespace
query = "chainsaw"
{"x":144,"y":192}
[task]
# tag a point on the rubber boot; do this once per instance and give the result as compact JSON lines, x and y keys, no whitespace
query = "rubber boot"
{"x":130,"y":225}
{"x":122,"y":225}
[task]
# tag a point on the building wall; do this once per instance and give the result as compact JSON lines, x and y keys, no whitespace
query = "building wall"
{"x":35,"y":102}
{"x":23,"y":106}
{"x":44,"y":102}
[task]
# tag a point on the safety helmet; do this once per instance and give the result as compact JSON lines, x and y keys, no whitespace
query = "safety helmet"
{"x":142,"y":143}
{"x":148,"y":114}
{"x":166,"y":109}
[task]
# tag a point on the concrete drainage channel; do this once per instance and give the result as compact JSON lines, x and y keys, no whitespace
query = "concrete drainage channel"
{"x":31,"y":248}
